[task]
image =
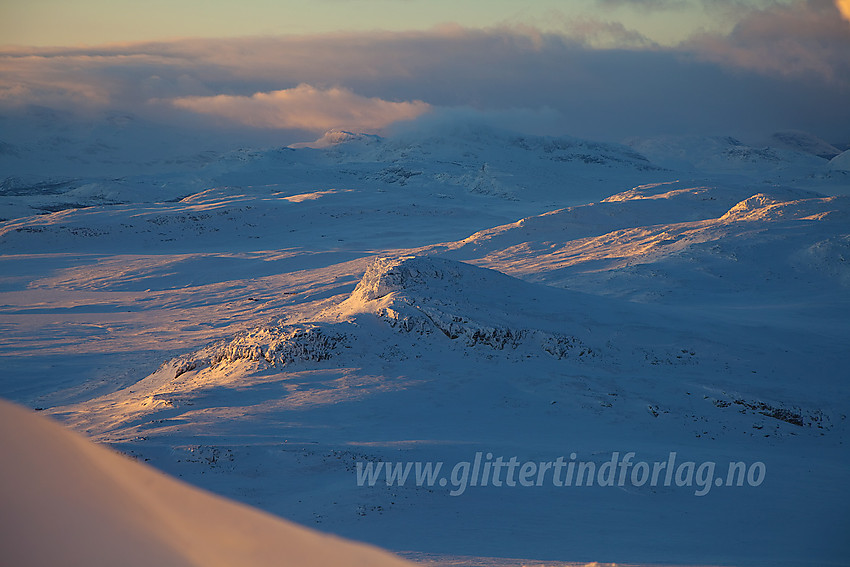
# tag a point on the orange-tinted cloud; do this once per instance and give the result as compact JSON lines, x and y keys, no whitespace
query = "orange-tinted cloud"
{"x":306,"y":108}
{"x":844,"y":8}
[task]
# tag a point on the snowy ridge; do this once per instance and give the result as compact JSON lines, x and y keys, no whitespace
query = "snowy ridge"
{"x":725,"y":154}
{"x":643,"y":206}
{"x":693,"y":238}
{"x":95,"y":507}
{"x":476,"y":141}
{"x":501,"y":164}
{"x":841,"y":162}
{"x":804,"y":142}
{"x":769,"y":207}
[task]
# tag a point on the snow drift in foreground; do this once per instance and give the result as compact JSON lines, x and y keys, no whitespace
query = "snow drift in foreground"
{"x":67,"y":501}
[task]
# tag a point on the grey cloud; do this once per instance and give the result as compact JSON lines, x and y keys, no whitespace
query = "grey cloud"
{"x":805,"y":38}
{"x":596,"y":33}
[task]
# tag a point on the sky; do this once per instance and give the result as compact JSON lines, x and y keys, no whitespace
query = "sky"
{"x":92,"y":22}
{"x":292,"y":69}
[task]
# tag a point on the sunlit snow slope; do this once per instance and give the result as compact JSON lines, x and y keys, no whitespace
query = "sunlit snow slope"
{"x":67,"y":501}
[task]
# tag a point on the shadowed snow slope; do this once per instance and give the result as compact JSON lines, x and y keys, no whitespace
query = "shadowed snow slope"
{"x":67,"y":501}
{"x":841,"y":162}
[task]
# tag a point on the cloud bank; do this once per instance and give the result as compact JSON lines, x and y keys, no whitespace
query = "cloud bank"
{"x":783,"y":66}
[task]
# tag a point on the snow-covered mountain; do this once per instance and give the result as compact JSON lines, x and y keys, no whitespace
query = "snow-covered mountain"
{"x":52,"y":170}
{"x":803,"y":164}
{"x":425,"y":298}
{"x":804,"y":142}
